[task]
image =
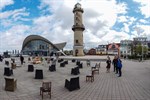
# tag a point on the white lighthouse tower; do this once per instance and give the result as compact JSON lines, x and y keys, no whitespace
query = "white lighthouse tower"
{"x":78,"y":29}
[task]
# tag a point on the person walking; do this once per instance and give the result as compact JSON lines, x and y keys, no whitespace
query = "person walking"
{"x":1,"y":58}
{"x":114,"y":62}
{"x":108,"y":64}
{"x":21,"y":59}
{"x":119,"y":66}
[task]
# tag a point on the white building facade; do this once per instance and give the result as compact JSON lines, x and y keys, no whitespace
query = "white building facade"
{"x":125,"y":47}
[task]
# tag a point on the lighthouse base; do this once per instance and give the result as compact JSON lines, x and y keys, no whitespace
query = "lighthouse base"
{"x":78,"y":51}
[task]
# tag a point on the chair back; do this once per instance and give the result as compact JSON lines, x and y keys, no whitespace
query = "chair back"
{"x":99,"y":65}
{"x":74,"y":82}
{"x":92,"y":72}
{"x":46,"y":85}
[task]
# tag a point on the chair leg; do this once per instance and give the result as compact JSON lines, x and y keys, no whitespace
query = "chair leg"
{"x":42,"y":95}
{"x":50,"y":94}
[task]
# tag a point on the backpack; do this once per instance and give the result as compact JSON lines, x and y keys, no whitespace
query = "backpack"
{"x":119,"y":64}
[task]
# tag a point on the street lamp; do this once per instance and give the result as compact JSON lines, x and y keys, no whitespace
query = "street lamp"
{"x":142,"y":51}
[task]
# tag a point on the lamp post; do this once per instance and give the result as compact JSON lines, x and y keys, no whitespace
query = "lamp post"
{"x":142,"y":51}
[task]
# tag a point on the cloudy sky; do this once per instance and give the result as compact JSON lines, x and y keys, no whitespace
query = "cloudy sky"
{"x":106,"y":21}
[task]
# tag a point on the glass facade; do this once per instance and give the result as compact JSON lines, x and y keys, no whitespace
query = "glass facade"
{"x":38,"y":47}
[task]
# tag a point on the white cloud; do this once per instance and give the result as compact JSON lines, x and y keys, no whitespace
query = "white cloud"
{"x":145,"y":7}
{"x":14,"y":13}
{"x":10,"y":18}
{"x":143,"y":21}
{"x":98,"y":17}
{"x":4,"y":3}
{"x":13,"y":38}
{"x":144,"y":30}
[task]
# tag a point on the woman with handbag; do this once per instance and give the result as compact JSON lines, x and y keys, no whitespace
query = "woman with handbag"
{"x":108,"y":64}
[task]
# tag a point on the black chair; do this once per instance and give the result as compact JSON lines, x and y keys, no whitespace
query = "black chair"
{"x":73,"y":84}
{"x":78,"y":62}
{"x":30,"y":68}
{"x":80,"y":65}
{"x":39,"y":74}
{"x":73,"y":60}
{"x":8,"y":71}
{"x":66,"y":61}
{"x":60,"y":60}
{"x":75,"y":71}
{"x":52,"y":68}
{"x":62,"y":64}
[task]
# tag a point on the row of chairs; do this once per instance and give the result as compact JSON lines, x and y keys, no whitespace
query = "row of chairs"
{"x":94,"y":70}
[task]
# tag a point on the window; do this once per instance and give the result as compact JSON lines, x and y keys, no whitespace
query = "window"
{"x":76,"y":41}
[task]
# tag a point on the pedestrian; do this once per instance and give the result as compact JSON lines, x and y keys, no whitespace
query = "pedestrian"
{"x":119,"y":66}
{"x":1,"y":58}
{"x":21,"y":59}
{"x":114,"y":62}
{"x":108,"y":62}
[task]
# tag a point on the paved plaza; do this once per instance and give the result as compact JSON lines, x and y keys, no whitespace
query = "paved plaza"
{"x":133,"y":85}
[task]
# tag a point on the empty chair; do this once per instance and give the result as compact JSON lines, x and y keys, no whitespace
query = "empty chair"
{"x":39,"y":74}
{"x":80,"y":65}
{"x":73,"y":60}
{"x":10,"y":84}
{"x":96,"y":69}
{"x":60,"y":60}
{"x":13,"y":65}
{"x":8,"y":71}
{"x":66,"y":61}
{"x":75,"y":71}
{"x":62,"y":64}
{"x":73,"y":84}
{"x":52,"y":68}
{"x":30,"y":68}
{"x":78,"y":62}
{"x":46,"y":87}
{"x":90,"y":77}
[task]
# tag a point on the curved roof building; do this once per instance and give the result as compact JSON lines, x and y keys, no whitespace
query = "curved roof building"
{"x":38,"y":45}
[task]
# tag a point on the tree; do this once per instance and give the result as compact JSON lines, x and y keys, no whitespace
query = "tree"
{"x":141,"y":50}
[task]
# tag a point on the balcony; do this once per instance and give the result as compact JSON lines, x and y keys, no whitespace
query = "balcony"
{"x":78,"y":27}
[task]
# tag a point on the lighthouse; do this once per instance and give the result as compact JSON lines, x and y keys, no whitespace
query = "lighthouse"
{"x":78,"y":29}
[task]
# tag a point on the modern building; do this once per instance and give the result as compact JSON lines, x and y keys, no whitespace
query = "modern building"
{"x":125,"y":48}
{"x":78,"y":29}
{"x":38,"y":45}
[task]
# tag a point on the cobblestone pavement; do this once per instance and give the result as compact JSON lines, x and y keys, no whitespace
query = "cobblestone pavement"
{"x":133,"y":85}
